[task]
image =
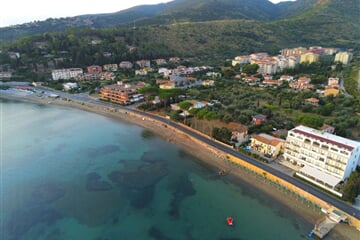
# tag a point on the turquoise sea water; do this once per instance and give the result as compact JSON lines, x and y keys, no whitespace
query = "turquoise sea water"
{"x":69,"y":174}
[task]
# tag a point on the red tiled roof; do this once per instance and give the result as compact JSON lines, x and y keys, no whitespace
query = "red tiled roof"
{"x":324,"y":139}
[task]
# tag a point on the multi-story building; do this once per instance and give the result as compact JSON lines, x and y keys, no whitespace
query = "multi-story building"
{"x":266,"y":144}
{"x":94,"y":69}
{"x":344,"y":57}
{"x":326,"y":159}
{"x":309,"y":57}
{"x":244,"y":59}
{"x":110,"y":67}
{"x":125,"y":64}
{"x":121,"y":94}
{"x":293,"y":51}
{"x":66,"y":73}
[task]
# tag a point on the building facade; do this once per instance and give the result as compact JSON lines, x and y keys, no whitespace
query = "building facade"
{"x":66,"y":73}
{"x":326,"y":159}
{"x":343,"y":57}
{"x":266,"y":144}
{"x":121,"y":94}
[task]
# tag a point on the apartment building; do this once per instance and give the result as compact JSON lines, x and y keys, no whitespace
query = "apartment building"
{"x":121,"y":94}
{"x":309,"y":57}
{"x":326,"y":159}
{"x":66,"y":73}
{"x":343,"y":57}
{"x":293,"y":51}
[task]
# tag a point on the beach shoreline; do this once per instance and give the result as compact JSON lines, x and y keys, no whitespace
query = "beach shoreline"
{"x":209,"y":156}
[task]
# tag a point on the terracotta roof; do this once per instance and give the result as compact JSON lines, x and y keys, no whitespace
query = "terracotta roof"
{"x":268,"y":140}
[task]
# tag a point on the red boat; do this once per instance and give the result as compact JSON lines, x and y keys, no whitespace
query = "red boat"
{"x":230,"y":221}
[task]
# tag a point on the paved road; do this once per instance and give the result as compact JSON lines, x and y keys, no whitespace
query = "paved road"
{"x":266,"y":167}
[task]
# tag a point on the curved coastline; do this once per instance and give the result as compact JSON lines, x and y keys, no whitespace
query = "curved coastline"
{"x":208,"y":155}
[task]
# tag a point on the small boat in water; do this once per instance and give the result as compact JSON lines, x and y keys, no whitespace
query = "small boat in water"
{"x":230,"y":221}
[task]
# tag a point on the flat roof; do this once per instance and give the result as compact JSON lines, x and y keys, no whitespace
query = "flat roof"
{"x":327,"y":137}
{"x":320,"y":175}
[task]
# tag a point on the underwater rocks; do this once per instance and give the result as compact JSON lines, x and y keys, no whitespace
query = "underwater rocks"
{"x":22,"y":221}
{"x":47,"y":193}
{"x":144,"y":176}
{"x":93,"y":183}
{"x":156,"y":234}
{"x":183,"y":189}
{"x":142,"y":198}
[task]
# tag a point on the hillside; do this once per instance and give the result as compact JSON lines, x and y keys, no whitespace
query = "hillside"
{"x":328,"y":23}
{"x":173,"y":12}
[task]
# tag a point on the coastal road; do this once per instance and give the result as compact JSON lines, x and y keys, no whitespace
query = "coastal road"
{"x":309,"y":188}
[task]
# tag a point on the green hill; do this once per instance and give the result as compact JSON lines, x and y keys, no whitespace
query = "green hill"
{"x":176,"y":11}
{"x":329,"y":23}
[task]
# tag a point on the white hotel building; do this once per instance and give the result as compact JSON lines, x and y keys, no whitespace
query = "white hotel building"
{"x":326,"y":159}
{"x":66,"y":73}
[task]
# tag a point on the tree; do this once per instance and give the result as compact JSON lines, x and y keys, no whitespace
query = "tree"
{"x":185,"y":105}
{"x":222,"y":134}
{"x":352,"y":187}
{"x":250,"y":68}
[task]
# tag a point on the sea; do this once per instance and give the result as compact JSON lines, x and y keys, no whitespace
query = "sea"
{"x":74,"y":175}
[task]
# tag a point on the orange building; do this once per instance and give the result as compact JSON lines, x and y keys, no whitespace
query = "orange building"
{"x":94,"y":69}
{"x":121,"y":94}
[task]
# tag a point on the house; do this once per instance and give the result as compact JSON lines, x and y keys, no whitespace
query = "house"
{"x":301,"y":84}
{"x":175,"y":107}
{"x":94,"y":69}
{"x":312,"y":101}
{"x":69,"y":86}
{"x":160,"y":61}
{"x":110,"y":67}
{"x":327,"y":128}
{"x":125,"y":64}
{"x":208,"y":83}
{"x":252,"y":80}
{"x":266,"y":144}
{"x":259,"y":119}
{"x":143,"y":63}
{"x":272,"y":83}
{"x":333,"y":82}
{"x":332,"y":91}
{"x":239,"y":132}
{"x":198,"y":105}
{"x":141,"y":72}
{"x":5,"y":75}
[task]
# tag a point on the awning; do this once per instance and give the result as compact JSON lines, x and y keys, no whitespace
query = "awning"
{"x":320,"y":175}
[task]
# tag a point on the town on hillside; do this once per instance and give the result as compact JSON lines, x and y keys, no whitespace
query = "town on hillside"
{"x":292,"y":107}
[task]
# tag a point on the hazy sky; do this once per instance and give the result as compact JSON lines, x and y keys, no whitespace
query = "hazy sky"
{"x":20,"y":11}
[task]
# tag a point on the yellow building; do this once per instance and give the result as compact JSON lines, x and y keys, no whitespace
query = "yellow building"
{"x":266,"y":144}
{"x":332,"y":91}
{"x":343,"y":57}
{"x":309,"y":57}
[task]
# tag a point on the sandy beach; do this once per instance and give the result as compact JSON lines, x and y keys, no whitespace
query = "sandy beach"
{"x":209,"y":156}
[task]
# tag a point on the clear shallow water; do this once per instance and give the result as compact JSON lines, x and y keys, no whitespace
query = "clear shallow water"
{"x":69,"y":174}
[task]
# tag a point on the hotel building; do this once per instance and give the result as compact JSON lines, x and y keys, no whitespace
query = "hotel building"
{"x":121,"y":94}
{"x":326,"y":159}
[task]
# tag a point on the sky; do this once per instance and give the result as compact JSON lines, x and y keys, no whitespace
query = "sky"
{"x":14,"y":12}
